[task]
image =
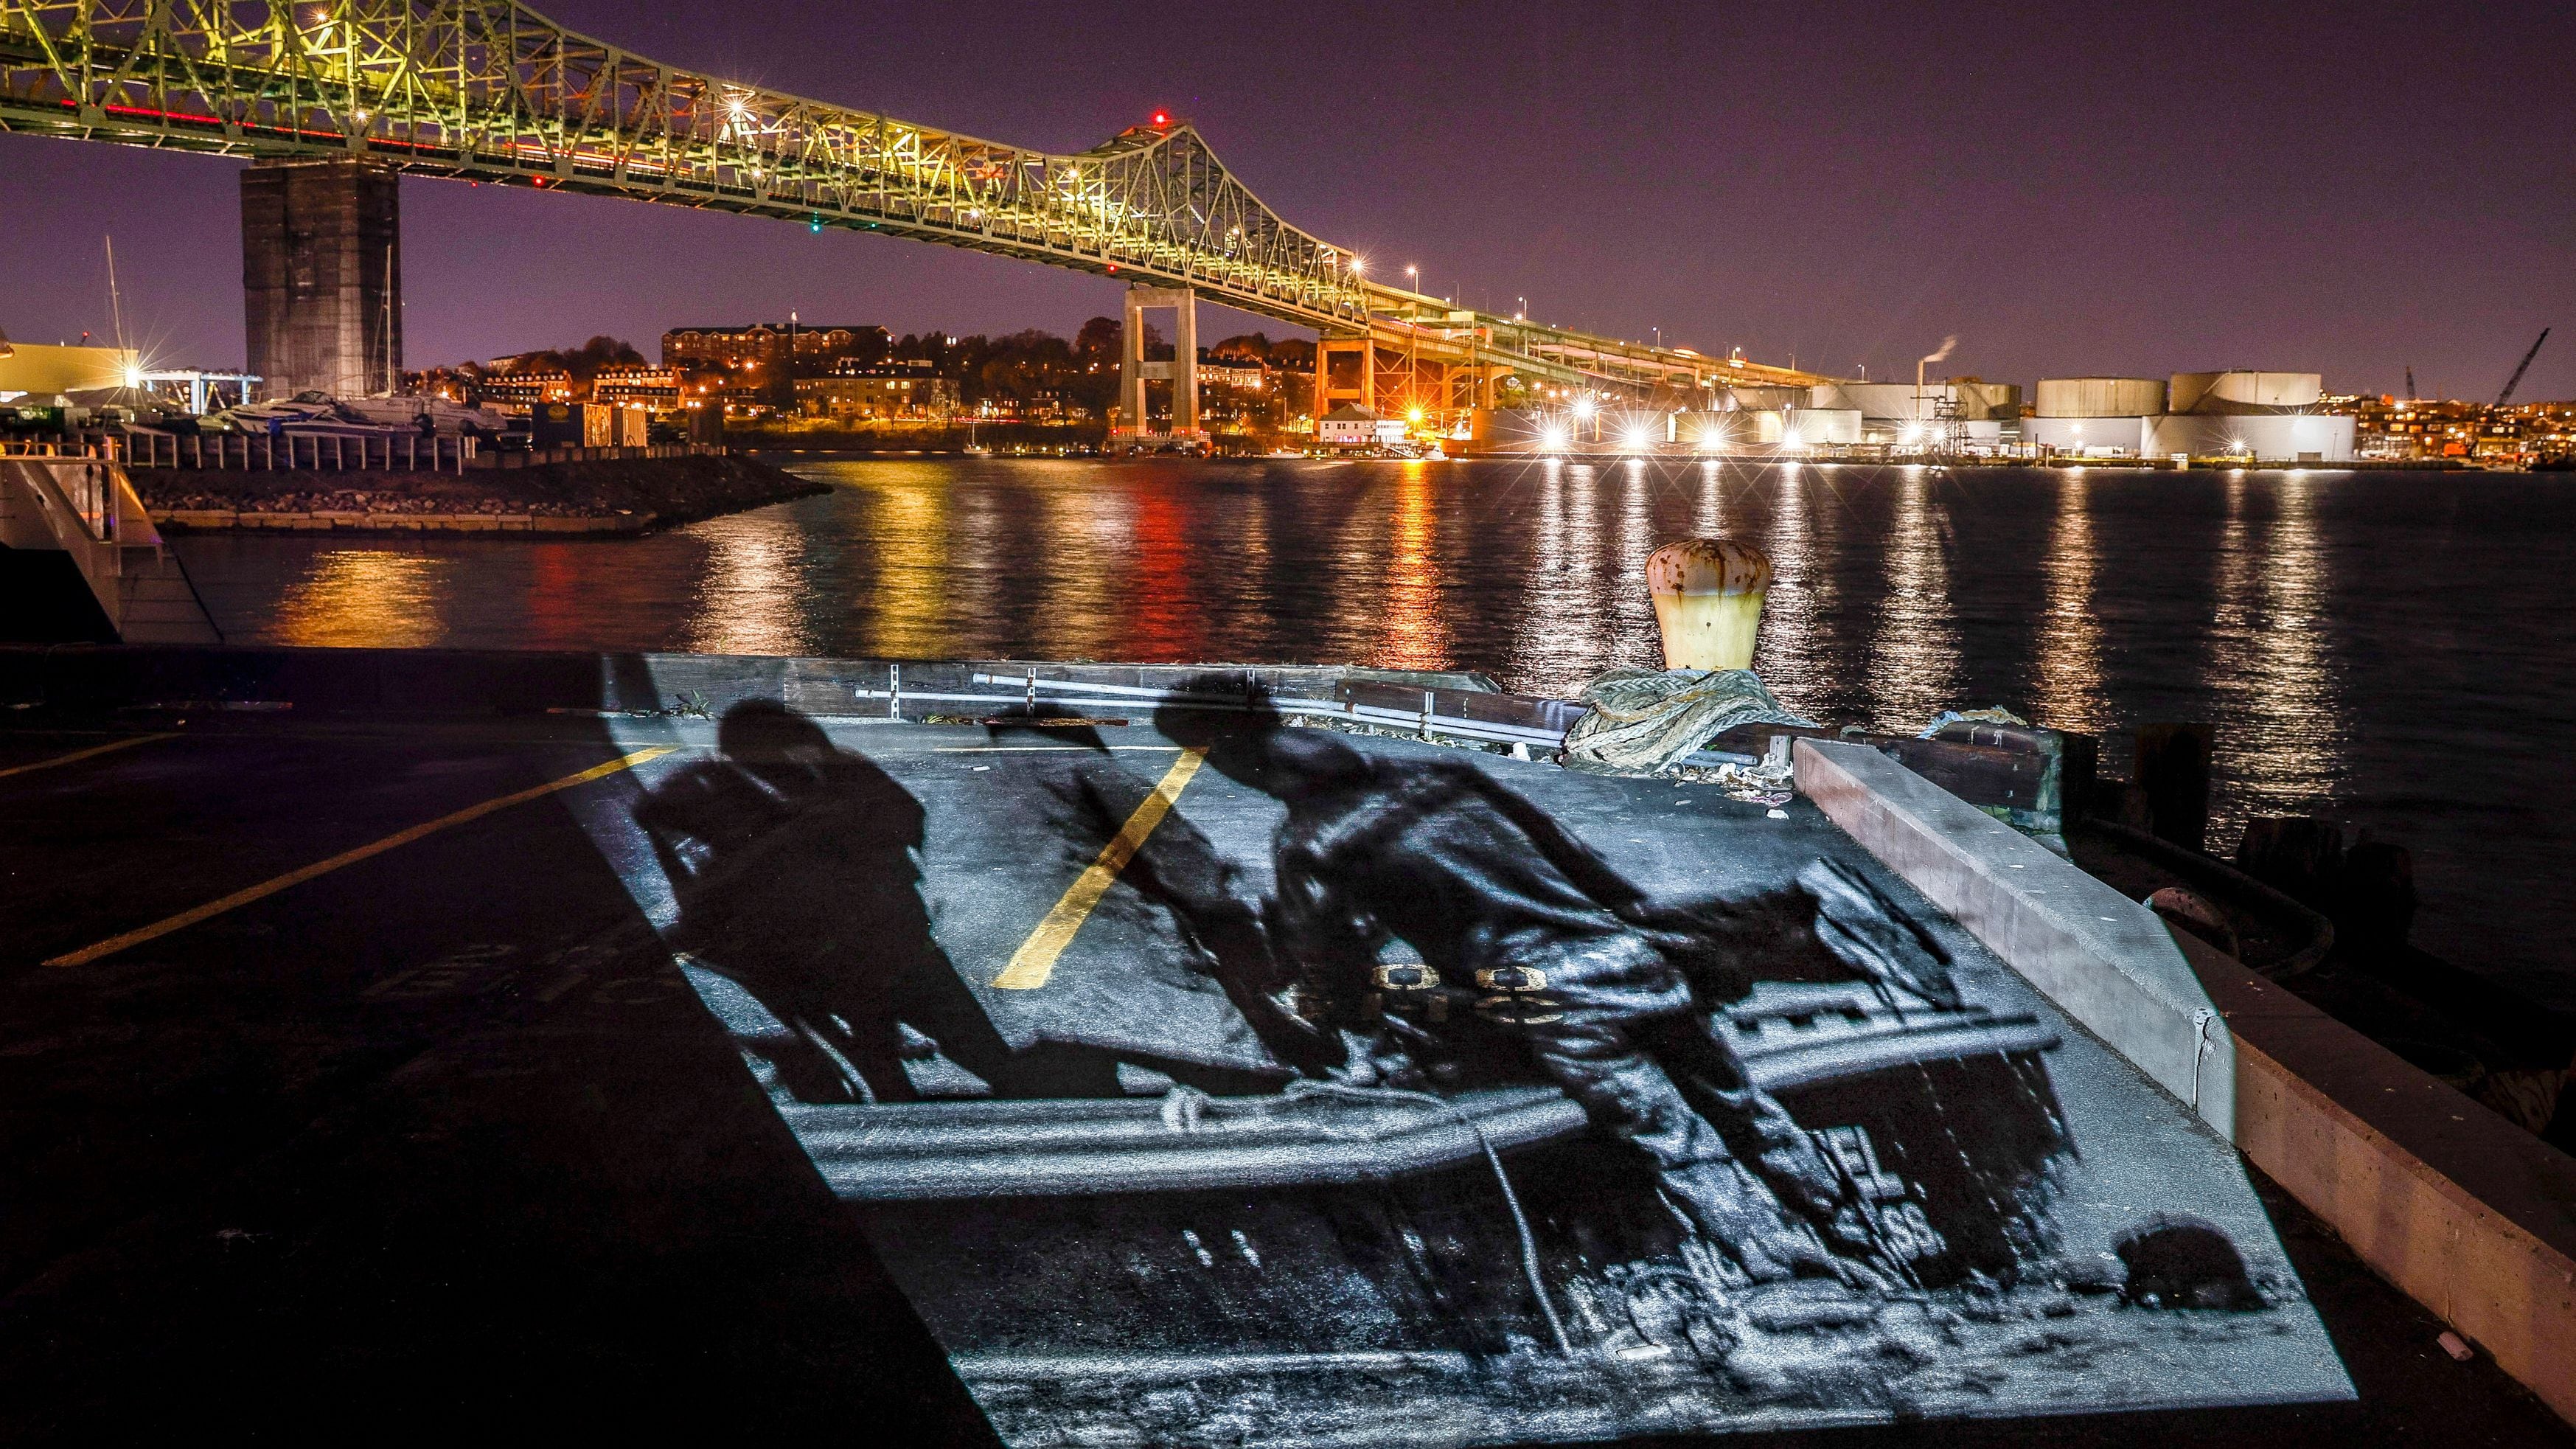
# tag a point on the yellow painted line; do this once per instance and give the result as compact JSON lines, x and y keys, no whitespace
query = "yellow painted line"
{"x":187,"y":918}
{"x":1034,"y":962}
{"x":76,"y":755}
{"x":1047,"y":749}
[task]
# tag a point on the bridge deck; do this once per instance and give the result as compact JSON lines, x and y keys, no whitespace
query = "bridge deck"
{"x":439,"y":1125}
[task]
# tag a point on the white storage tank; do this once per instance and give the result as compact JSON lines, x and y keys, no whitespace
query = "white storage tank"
{"x":2238,"y":390}
{"x":2265,"y":437}
{"x":2101,"y":397}
{"x":2086,"y":437}
{"x":1980,"y":400}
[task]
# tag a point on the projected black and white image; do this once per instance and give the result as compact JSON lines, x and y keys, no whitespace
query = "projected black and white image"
{"x":1210,"y":1078}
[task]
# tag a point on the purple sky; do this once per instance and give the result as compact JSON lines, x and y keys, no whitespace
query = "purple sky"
{"x":2070,"y":189}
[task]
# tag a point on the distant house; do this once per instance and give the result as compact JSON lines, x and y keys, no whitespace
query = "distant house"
{"x":1348,"y":426}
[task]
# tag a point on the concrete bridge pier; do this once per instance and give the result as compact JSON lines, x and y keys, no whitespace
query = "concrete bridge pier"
{"x":1134,"y":371}
{"x":1345,"y":372}
{"x":322,"y":275}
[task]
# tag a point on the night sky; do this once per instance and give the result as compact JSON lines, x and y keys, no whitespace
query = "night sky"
{"x":2076,"y":189}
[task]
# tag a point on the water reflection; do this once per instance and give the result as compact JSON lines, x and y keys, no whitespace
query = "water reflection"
{"x":750,"y":598}
{"x":2268,"y":648}
{"x":2104,"y":600}
{"x":1709,"y":519}
{"x":1563,"y":629}
{"x":1914,"y":651}
{"x":2067,"y":691}
{"x":1785,"y":649}
{"x":1416,"y":633}
{"x":912,"y":557}
{"x":379,"y":598}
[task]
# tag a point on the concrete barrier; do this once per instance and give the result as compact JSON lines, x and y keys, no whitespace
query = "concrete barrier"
{"x":2106,"y":960}
{"x":2466,"y":1213}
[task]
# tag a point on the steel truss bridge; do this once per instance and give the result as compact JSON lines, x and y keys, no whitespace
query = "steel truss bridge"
{"x":492,"y":91}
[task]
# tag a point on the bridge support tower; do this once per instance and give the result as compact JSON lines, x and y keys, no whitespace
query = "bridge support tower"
{"x":322,"y":276}
{"x":1134,"y":371}
{"x":1345,"y":372}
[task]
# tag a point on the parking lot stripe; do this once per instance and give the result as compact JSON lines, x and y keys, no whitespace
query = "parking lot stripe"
{"x":91,"y":753}
{"x":1034,"y":962}
{"x":272,"y":886}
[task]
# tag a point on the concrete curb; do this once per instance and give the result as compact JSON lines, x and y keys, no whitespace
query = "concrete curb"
{"x":2105,"y":960}
{"x":2464,"y":1212}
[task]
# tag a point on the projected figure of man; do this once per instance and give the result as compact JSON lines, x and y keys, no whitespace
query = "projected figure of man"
{"x":1529,"y":943}
{"x":794,"y":866}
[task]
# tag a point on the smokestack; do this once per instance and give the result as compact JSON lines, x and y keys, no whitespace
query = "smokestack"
{"x":1928,"y":358}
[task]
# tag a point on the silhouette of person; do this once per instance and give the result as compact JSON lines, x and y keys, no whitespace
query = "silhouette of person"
{"x":1530,"y":945}
{"x":794,"y":865}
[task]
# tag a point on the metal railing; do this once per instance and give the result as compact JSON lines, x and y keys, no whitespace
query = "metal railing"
{"x":310,"y":452}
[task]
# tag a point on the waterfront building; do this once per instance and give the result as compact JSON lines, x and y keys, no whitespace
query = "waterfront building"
{"x":657,"y":388}
{"x":768,"y":343}
{"x":533,"y":385}
{"x":904,"y":389}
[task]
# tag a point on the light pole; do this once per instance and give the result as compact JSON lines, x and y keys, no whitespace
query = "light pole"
{"x":1413,"y":344}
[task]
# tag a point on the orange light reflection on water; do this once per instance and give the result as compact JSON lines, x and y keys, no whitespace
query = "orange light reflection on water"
{"x":1414,"y":635}
{"x":365,"y":598}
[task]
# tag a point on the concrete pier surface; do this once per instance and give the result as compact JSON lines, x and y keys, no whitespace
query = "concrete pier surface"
{"x":351,"y":1081}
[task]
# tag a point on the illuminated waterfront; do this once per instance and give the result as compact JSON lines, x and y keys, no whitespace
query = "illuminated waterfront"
{"x":2380,"y":647}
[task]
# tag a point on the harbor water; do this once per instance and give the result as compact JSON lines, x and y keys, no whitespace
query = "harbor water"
{"x":2394,"y":650}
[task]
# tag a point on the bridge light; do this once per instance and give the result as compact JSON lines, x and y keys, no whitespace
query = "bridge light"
{"x":1553,"y":437}
{"x":1640,"y":436}
{"x":1413,"y":416}
{"x":1161,"y":119}
{"x":816,"y":225}
{"x":1358,"y":265}
{"x":1583,"y":407}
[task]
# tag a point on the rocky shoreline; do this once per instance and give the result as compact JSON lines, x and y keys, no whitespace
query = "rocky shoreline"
{"x":599,"y":497}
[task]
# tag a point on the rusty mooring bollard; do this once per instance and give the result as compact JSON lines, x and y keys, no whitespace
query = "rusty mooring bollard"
{"x":1708,"y":601}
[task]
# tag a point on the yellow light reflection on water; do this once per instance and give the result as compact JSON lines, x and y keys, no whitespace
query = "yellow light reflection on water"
{"x":1092,"y":532}
{"x":1414,"y":633}
{"x":750,"y":599}
{"x":365,"y":598}
{"x":910,"y":533}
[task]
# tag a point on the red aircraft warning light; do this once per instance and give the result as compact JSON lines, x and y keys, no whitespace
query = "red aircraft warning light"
{"x":1162,"y":119}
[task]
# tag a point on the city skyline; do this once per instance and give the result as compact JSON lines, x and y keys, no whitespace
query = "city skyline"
{"x":2134,"y":194}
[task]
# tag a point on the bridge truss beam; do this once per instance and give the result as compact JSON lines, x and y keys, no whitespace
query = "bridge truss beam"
{"x":493,"y":91}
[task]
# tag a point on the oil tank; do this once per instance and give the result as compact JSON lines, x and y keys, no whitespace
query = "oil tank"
{"x":1980,"y":400}
{"x":2240,"y":391}
{"x":2100,"y":397}
{"x":2264,"y":437}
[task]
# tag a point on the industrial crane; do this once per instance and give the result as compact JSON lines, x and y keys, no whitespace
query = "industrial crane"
{"x":2515,"y":381}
